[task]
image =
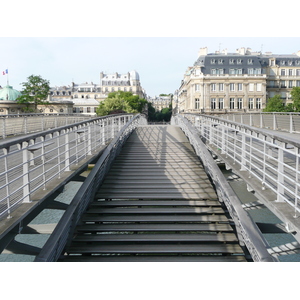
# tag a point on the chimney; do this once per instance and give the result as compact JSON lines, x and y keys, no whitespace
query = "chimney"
{"x":202,"y":51}
{"x":241,"y":51}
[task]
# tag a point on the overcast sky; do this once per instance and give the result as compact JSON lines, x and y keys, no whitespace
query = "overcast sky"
{"x":160,"y":61}
{"x":67,"y":41}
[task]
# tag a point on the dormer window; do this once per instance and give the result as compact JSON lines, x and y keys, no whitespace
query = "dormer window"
{"x":231,"y":61}
{"x":250,"y":61}
{"x":282,"y":62}
{"x":220,"y":61}
{"x":212,"y":61}
{"x":239,"y":61}
{"x":290,"y":62}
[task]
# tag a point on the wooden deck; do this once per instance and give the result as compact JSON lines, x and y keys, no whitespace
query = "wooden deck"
{"x":155,"y":204}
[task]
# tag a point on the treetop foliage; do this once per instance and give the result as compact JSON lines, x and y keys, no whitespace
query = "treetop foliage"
{"x":35,"y":91}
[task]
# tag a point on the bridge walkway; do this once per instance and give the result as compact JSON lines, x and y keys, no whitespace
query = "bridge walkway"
{"x":156,"y":204}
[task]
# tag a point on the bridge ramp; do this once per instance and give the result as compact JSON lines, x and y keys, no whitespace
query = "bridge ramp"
{"x":155,"y":204}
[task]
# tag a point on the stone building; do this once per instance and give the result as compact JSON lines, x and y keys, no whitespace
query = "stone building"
{"x":160,"y":102}
{"x":9,"y":105}
{"x":237,"y":82}
{"x":87,"y":96}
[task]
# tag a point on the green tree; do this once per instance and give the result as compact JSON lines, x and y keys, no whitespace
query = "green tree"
{"x":134,"y":101}
{"x":118,"y":102}
{"x":295,"y":93}
{"x":274,"y":104}
{"x":35,"y":91}
{"x":115,"y":104}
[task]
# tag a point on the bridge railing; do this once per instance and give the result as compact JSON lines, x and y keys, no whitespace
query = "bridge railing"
{"x":30,"y":163}
{"x":289,"y":122}
{"x":63,"y":232}
{"x":271,"y":157}
{"x":248,"y":232}
{"x":11,"y":125}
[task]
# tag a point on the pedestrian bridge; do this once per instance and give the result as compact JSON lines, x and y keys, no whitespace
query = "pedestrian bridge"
{"x":157,"y":194}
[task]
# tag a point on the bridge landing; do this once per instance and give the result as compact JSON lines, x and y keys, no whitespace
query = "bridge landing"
{"x":155,"y":204}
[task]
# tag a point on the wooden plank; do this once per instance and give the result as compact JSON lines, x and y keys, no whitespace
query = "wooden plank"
{"x":161,"y":210}
{"x":155,"y":258}
{"x":219,"y":237}
{"x":156,"y":203}
{"x":161,"y":248}
{"x":91,"y":217}
{"x":153,"y":227}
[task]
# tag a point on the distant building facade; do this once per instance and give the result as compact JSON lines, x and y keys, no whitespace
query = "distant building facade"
{"x":87,"y":96}
{"x":9,"y":105}
{"x":237,"y":82}
{"x":160,"y":102}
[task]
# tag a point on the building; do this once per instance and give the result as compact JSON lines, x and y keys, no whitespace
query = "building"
{"x":160,"y":102}
{"x":237,"y":82}
{"x":87,"y":96}
{"x":9,"y":105}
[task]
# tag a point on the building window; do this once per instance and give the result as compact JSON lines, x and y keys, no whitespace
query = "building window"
{"x":51,"y":110}
{"x":213,"y":103}
{"x":220,"y":61}
{"x":81,"y":109}
{"x":221,"y":103}
{"x":282,"y":72}
{"x":251,"y":87}
{"x":239,"y":61}
{"x":88,"y":109}
{"x":258,"y":103}
{"x":250,"y":61}
{"x":298,"y":72}
{"x":250,"y":103}
{"x":282,"y":84}
{"x":290,"y":72}
{"x":212,"y":61}
{"x":250,"y":71}
{"x":240,"y":86}
{"x":61,"y":110}
{"x":221,"y":87}
{"x":197,"y":103}
{"x":231,"y":61}
{"x":213,"y":87}
{"x":290,"y":83}
{"x":232,"y":87}
{"x":298,"y":83}
{"x":196,"y":87}
{"x":240,"y":103}
{"x":231,"y":103}
{"x":213,"y":72}
{"x":258,"y":87}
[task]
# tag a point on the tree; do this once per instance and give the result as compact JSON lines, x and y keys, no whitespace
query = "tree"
{"x":114,"y":104}
{"x":274,"y":104}
{"x":35,"y":92}
{"x":295,"y":93}
{"x":120,"y":101}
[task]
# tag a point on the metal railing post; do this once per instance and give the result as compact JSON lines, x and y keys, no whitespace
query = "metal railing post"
{"x":67,"y":150}
{"x":26,"y":188}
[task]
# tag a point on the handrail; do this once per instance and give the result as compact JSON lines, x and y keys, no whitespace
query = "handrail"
{"x":63,"y":233}
{"x":272,"y":157}
{"x":248,"y":232}
{"x":28,"y":163}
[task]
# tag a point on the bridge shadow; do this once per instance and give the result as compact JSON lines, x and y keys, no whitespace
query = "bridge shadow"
{"x":163,"y":156}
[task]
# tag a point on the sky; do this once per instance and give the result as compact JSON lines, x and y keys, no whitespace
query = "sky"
{"x":160,"y":61}
{"x":66,"y":43}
